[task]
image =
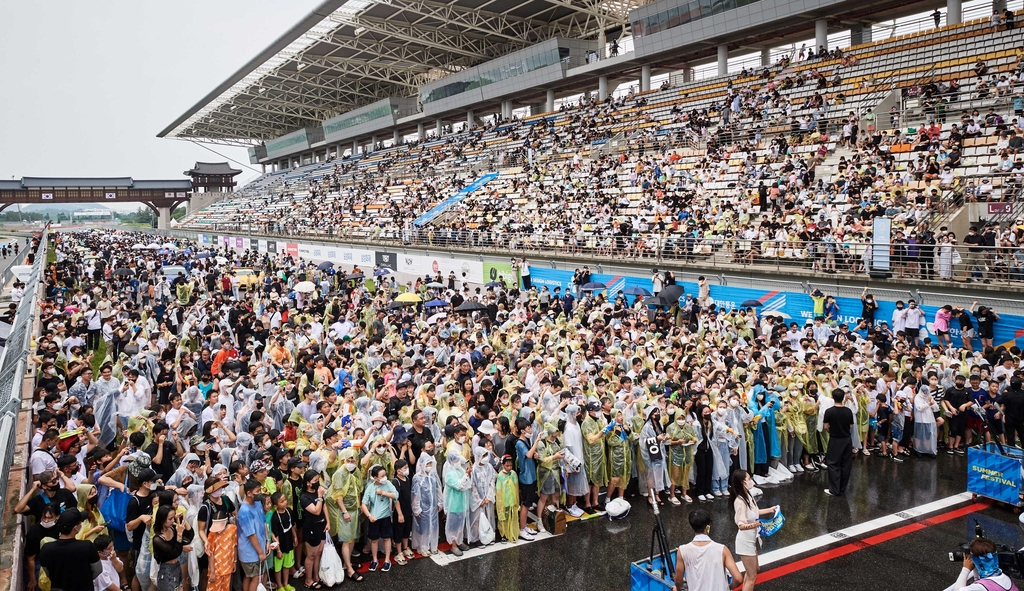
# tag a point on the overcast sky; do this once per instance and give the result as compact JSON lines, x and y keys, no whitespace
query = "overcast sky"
{"x":88,"y":85}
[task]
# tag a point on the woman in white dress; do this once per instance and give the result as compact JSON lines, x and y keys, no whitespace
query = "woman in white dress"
{"x":747,"y":517}
{"x":702,"y":563}
{"x":945,"y":259}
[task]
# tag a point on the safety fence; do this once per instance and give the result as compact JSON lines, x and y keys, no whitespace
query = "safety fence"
{"x":940,"y":262}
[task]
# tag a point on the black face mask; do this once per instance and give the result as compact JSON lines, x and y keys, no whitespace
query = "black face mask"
{"x":429,"y":452}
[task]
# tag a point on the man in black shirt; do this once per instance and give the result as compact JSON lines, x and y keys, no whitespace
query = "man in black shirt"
{"x":46,"y":528}
{"x":70,"y":564}
{"x":956,"y":403}
{"x":419,"y":435}
{"x":1013,"y":411}
{"x":140,"y":509}
{"x":162,"y":451}
{"x":54,"y":488}
{"x":838,"y":421}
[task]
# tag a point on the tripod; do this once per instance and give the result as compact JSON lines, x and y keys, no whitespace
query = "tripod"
{"x":658,"y":537}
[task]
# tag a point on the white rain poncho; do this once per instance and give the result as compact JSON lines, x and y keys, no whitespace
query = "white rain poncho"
{"x":456,"y":497}
{"x":105,"y":410}
{"x":575,"y":484}
{"x":484,"y":477}
{"x":925,"y":439}
{"x":179,"y":475}
{"x":427,"y":501}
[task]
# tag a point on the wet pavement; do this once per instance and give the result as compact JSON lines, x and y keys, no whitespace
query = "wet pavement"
{"x":596,"y":554}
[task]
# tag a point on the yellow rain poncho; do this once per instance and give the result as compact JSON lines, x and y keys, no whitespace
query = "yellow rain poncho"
{"x":346,"y":489}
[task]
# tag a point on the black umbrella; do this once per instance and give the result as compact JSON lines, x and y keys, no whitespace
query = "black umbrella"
{"x":494,"y":284}
{"x":124,"y":272}
{"x":398,"y":305}
{"x":672,"y":292}
{"x":594,"y":286}
{"x":355,"y":276}
{"x":471,"y":307}
{"x":751,"y":304}
{"x":659,"y":300}
{"x":324,"y":266}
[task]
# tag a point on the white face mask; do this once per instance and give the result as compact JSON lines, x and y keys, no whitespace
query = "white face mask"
{"x":47,"y":525}
{"x":404,"y":472}
{"x":350,"y":467}
{"x":461,"y":439}
{"x":748,"y":484}
{"x":680,"y":422}
{"x":721,"y":412}
{"x":734,"y":403}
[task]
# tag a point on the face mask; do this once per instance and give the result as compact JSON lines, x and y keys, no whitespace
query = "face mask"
{"x":680,"y":422}
{"x":734,"y":403}
{"x":404,"y":472}
{"x":721,"y":412}
{"x":748,"y":484}
{"x":52,"y":371}
{"x":47,"y":525}
{"x":218,"y":493}
{"x":461,"y":439}
{"x":350,"y":467}
{"x":381,"y":449}
{"x":429,"y":452}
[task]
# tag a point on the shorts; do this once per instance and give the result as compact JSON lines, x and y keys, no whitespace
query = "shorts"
{"x":380,"y":530}
{"x":968,"y":334}
{"x":251,"y":569}
{"x":997,"y":426}
{"x":313,"y":535}
{"x":528,"y":494}
{"x":287,"y":560}
{"x":974,"y":423}
{"x":957,"y":425}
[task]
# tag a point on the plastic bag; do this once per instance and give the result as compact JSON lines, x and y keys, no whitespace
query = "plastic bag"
{"x":486,"y":531}
{"x":770,"y":525}
{"x":332,"y":571}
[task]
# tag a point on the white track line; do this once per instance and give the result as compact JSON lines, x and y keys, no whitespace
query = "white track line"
{"x":860,"y":529}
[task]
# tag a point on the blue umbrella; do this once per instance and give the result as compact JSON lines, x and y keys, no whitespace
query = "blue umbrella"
{"x":436,"y":304}
{"x":381,"y":272}
{"x":495,"y":284}
{"x":636,"y":291}
{"x":594,"y":286}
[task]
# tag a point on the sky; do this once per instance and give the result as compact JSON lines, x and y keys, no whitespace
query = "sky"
{"x":89,"y":84}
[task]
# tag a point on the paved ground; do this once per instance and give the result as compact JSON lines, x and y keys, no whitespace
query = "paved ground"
{"x":906,"y":551}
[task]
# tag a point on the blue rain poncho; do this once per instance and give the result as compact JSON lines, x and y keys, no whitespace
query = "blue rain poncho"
{"x":765,"y":420}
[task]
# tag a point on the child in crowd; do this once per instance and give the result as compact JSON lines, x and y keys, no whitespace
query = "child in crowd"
{"x":282,"y":532}
{"x":378,"y":500}
{"x":403,"y":530}
{"x":110,"y":576}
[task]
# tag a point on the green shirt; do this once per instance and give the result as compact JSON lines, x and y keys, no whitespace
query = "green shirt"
{"x":379,"y":505}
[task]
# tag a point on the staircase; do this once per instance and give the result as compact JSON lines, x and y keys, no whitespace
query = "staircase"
{"x":441,"y":207}
{"x":829,"y":167}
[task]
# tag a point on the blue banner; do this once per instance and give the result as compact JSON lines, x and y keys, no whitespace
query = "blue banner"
{"x":993,"y":476}
{"x":798,"y":307}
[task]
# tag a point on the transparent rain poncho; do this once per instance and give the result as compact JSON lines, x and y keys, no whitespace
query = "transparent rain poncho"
{"x":427,"y":501}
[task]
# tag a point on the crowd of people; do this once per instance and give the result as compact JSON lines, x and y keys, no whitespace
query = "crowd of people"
{"x":197,"y":433}
{"x":749,"y":192}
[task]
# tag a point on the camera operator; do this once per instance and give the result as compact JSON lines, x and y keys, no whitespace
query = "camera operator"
{"x":982,"y":565}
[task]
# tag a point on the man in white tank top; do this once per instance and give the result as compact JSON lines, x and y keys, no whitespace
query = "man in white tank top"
{"x":702,"y":563}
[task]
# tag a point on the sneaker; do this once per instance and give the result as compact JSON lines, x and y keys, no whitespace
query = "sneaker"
{"x":399,"y":560}
{"x":792,"y":468}
{"x":829,"y":493}
{"x":409,"y":554}
{"x":589,"y":510}
{"x":897,"y":459}
{"x":463,"y":547}
{"x":454,"y":550}
{"x":386,"y":567}
{"x":719,"y":493}
{"x":797,"y":468}
{"x":575,"y":511}
{"x":674,"y":501}
{"x":526,"y":534}
{"x":702,"y":497}
{"x":950,"y":451}
{"x":373,"y":566}
{"x":960,"y":451}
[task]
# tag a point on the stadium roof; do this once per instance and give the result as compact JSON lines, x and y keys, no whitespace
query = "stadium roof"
{"x":348,"y":53}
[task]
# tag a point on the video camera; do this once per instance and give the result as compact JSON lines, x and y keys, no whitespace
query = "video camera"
{"x":1011,"y":561}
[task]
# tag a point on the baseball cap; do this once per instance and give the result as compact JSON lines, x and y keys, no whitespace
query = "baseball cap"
{"x":68,"y":520}
{"x":146,"y":475}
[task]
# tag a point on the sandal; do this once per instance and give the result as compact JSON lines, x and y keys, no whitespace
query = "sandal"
{"x":400,"y":560}
{"x":317,"y":585}
{"x":354,"y":576}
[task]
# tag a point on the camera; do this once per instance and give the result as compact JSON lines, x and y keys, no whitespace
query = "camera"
{"x":1010,"y":562}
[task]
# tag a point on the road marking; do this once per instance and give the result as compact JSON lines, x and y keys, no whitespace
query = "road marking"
{"x":860,"y":529}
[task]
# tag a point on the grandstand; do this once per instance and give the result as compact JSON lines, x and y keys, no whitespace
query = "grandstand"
{"x":787,"y":160}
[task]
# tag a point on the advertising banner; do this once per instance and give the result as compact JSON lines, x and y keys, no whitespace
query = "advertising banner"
{"x":305,"y":251}
{"x":502,"y":272}
{"x":420,"y":266}
{"x":353,"y":257}
{"x":993,"y":476}
{"x":292,"y":249}
{"x":387,"y":260}
{"x":271,"y":247}
{"x":261,"y":245}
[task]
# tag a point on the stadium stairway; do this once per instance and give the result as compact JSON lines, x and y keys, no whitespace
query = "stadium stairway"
{"x":441,"y":207}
